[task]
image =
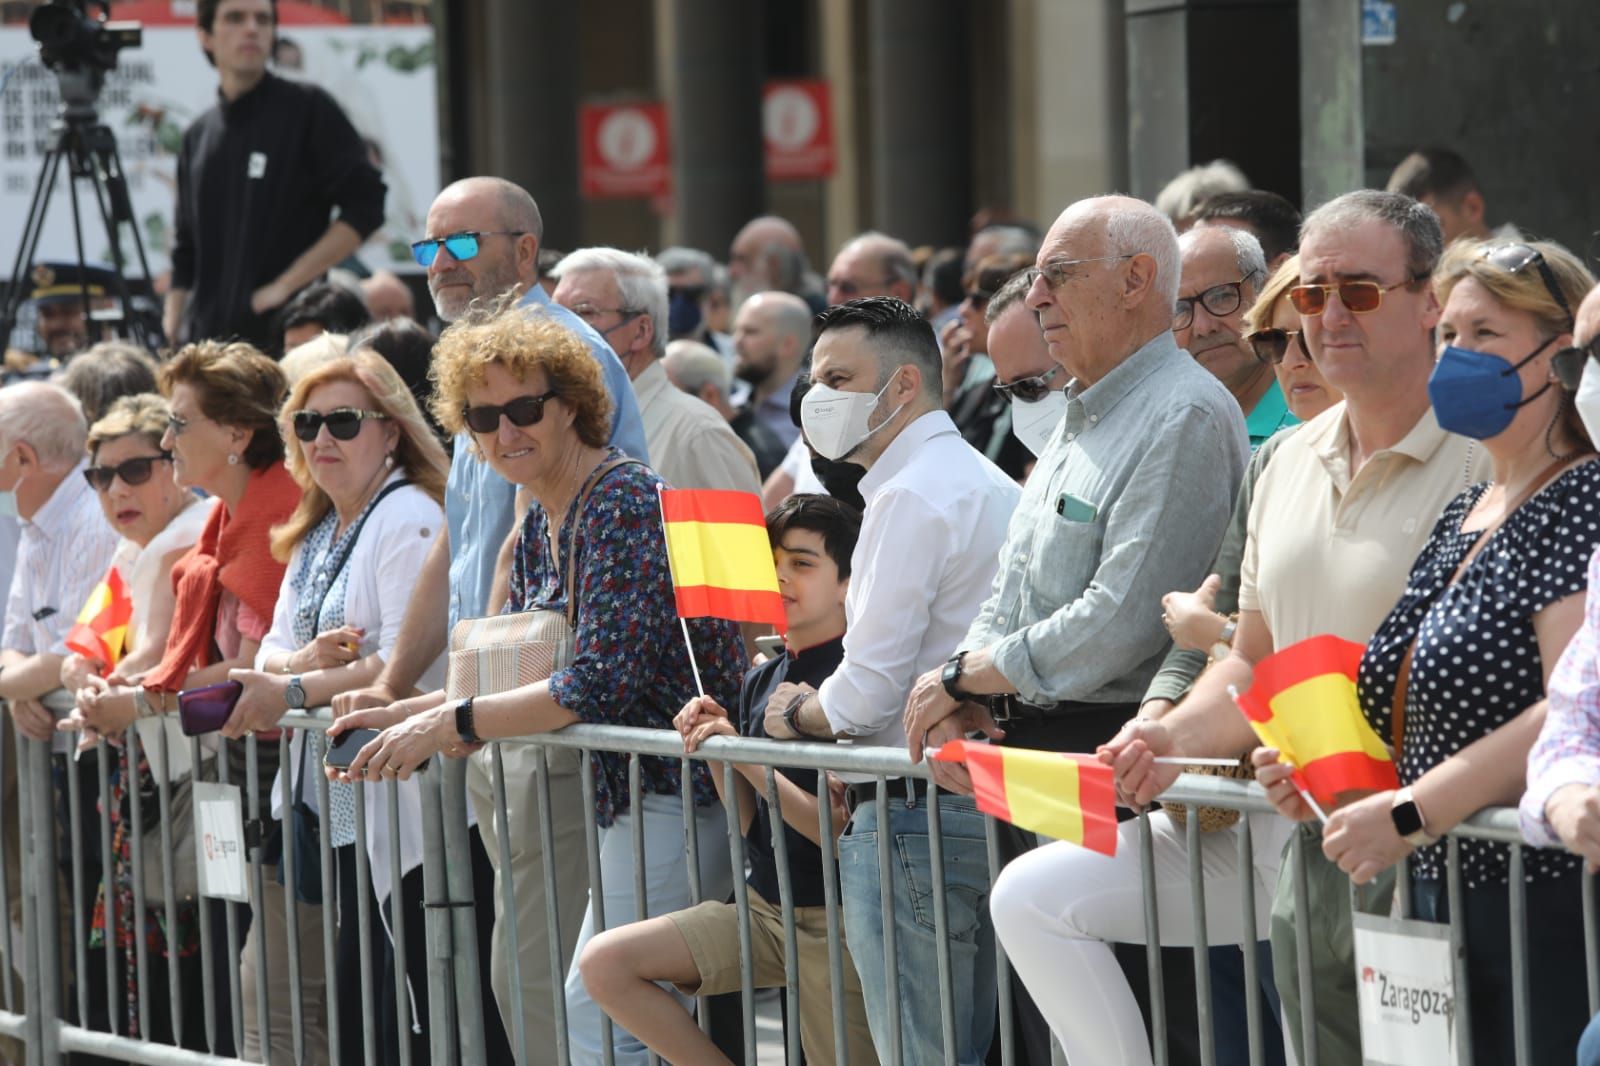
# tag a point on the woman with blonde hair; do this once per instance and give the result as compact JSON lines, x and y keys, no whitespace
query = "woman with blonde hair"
{"x":372,"y":478}
{"x":1455,"y":678}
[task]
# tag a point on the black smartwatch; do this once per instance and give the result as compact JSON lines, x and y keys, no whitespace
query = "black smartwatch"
{"x":1408,"y":822}
{"x":950,"y":677}
{"x":464,"y":728}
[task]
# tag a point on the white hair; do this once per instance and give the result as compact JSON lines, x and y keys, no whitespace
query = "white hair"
{"x":641,"y":284}
{"x":1184,"y":194}
{"x":48,"y":419}
{"x":1133,"y":227}
{"x":679,"y":260}
{"x":300,"y":360}
{"x":1247,"y":253}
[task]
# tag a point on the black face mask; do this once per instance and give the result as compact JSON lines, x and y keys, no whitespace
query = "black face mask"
{"x":841,"y":479}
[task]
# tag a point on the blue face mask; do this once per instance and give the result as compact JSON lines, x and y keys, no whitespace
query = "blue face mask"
{"x":683,"y":313}
{"x":1477,"y":394}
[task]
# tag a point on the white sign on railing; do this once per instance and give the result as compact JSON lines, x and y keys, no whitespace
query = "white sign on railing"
{"x":1405,"y":986}
{"x":219,"y":841}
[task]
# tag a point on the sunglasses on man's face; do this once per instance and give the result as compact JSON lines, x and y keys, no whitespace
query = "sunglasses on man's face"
{"x":1028,"y":390}
{"x":344,"y":423}
{"x":461,"y":246}
{"x":1569,"y":363}
{"x":1271,"y":345}
{"x":1358,"y":297}
{"x":133,"y":472}
{"x":523,"y":411}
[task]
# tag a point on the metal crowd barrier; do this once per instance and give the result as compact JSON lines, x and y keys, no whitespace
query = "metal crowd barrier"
{"x":51,"y":1013}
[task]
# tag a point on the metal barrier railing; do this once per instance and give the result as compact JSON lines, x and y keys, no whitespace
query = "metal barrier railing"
{"x":61,"y":1009}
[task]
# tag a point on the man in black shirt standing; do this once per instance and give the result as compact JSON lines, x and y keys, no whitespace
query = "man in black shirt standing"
{"x":260,"y":177}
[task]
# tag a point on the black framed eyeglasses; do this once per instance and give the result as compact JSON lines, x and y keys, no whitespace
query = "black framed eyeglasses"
{"x":1028,"y":390}
{"x":1516,"y":257}
{"x":133,"y":472}
{"x":344,"y":423}
{"x":1218,"y":300}
{"x":1570,"y":363}
{"x":461,"y":246}
{"x":1271,"y":345}
{"x":523,"y":411}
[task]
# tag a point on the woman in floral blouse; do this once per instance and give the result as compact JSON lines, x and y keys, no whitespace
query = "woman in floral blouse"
{"x":534,"y":401}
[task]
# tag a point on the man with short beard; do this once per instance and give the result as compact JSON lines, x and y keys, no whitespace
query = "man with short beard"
{"x":771,"y":336}
{"x":482,"y":241}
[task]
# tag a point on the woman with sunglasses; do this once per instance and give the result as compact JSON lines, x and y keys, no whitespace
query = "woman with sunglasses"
{"x":159,"y":523}
{"x":222,"y":434}
{"x":536,"y":407}
{"x":1455,"y":676}
{"x":372,"y":476}
{"x":1199,"y":621}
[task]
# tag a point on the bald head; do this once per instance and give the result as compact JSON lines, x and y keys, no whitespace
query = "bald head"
{"x":770,"y":337}
{"x":767,"y":254}
{"x":873,"y":264}
{"x":1588,"y":319}
{"x":510,"y":231}
{"x":1108,"y":282}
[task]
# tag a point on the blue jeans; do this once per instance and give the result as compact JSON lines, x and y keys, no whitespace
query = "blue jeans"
{"x":1589,"y":1046}
{"x":970,"y":931}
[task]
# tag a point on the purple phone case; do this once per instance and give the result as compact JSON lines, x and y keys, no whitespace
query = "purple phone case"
{"x":204,"y":710}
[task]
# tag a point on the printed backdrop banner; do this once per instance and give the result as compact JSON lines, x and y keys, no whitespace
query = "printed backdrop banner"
{"x":383,"y":77}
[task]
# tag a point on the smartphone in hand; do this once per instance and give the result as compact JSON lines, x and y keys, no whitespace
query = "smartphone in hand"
{"x":206,"y":709}
{"x":347,"y":744}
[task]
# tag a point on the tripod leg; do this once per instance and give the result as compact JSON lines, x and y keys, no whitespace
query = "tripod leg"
{"x":32,"y":228}
{"x":95,"y":329}
{"x":116,"y":207}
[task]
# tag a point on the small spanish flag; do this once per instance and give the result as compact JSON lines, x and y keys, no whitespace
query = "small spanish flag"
{"x":1303,"y":702}
{"x":1067,"y":797}
{"x":101,"y":632}
{"x":720,"y":555}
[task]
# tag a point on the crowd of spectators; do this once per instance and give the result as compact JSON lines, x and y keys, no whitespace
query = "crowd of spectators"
{"x":1057,"y":489}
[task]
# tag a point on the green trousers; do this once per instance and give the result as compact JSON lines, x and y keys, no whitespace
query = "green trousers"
{"x":1331,"y":947}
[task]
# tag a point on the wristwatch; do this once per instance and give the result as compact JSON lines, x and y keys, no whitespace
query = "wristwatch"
{"x":1408,"y":821}
{"x":791,"y":716}
{"x":950,"y":677}
{"x":464,"y":728}
{"x":1224,"y":644}
{"x":294,"y":694}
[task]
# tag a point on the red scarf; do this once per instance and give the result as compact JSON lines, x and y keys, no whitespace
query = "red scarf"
{"x":232,"y":553}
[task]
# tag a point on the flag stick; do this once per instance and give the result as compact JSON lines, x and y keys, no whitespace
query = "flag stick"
{"x":699,"y":686}
{"x":1184,"y":760}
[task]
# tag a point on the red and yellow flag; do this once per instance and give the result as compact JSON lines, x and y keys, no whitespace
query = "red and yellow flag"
{"x":1068,"y":797}
{"x":1303,"y":702}
{"x":721,"y":557}
{"x":101,"y":631}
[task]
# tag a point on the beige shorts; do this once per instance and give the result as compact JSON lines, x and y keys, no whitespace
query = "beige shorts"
{"x":712,"y":933}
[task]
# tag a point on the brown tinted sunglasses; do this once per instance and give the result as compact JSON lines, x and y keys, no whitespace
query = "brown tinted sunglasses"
{"x":1271,"y":345}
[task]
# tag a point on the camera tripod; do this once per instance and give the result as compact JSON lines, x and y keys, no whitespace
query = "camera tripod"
{"x":88,"y":147}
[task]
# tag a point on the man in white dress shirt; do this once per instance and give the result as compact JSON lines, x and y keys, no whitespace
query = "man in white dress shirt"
{"x":624,"y":297}
{"x":936,"y":515}
{"x":65,"y":548}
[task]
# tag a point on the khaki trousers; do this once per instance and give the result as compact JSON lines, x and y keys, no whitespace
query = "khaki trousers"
{"x":269,"y":932}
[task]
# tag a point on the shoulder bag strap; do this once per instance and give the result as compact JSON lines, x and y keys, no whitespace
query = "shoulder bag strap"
{"x":1397,"y":715}
{"x":577,"y":517}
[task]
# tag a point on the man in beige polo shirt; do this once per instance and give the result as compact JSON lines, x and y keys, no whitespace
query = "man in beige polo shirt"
{"x":1339,"y":515}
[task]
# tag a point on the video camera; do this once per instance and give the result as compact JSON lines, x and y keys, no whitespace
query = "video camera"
{"x":81,"y":49}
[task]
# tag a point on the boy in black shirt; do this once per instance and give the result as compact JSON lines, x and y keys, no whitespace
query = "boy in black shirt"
{"x":698,"y":949}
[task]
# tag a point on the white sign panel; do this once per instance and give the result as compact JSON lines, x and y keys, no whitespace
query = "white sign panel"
{"x":1405,"y":988}
{"x":383,"y":77}
{"x":219,"y":841}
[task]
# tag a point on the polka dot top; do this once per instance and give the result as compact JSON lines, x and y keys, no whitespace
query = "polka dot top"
{"x":1477,"y":664}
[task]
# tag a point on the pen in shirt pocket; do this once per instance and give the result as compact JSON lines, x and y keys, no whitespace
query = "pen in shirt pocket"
{"x":1076,"y":509}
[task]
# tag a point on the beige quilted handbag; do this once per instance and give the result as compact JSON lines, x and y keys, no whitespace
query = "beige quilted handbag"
{"x":506,"y":651}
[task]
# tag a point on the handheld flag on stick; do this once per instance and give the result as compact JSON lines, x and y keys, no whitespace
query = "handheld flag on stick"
{"x":721,"y":559}
{"x":1303,"y":702}
{"x":101,"y":631}
{"x":1068,"y":797}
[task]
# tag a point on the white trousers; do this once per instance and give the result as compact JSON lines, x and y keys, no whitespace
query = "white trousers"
{"x":1058,"y":909}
